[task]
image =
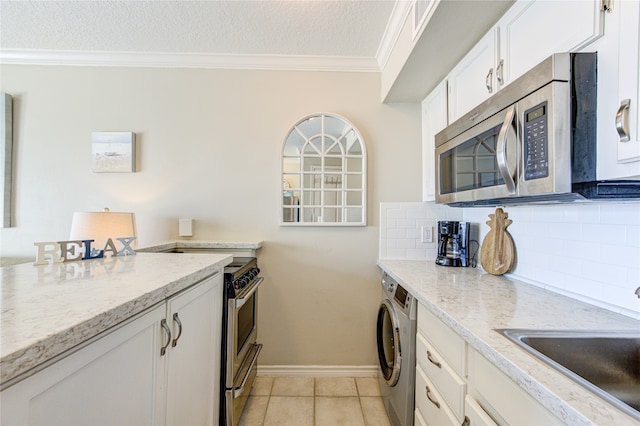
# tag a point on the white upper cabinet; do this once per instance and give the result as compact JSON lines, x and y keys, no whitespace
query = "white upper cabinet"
{"x":474,"y":78}
{"x":628,"y":113}
{"x":434,"y":119}
{"x":530,"y":31}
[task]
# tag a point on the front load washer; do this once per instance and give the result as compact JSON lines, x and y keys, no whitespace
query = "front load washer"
{"x":396,"y":337}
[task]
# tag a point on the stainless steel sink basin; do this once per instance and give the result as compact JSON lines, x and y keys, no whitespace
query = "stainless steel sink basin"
{"x":605,"y":362}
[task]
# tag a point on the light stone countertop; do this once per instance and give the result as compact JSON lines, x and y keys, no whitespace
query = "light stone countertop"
{"x":47,"y":310}
{"x":474,"y":303}
{"x":200,"y":244}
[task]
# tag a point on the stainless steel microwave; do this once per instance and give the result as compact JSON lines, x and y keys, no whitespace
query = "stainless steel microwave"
{"x":533,"y":141}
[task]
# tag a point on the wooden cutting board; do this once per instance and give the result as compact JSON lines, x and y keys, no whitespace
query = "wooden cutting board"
{"x":497,"y":252}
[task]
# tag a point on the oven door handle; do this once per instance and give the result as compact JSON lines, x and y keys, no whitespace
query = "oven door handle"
{"x":239,"y":302}
{"x":239,"y":391}
{"x":501,"y":151}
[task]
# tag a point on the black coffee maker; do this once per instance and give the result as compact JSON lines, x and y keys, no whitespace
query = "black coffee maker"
{"x":453,"y":243}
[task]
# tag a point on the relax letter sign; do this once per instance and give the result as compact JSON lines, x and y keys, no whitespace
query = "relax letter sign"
{"x":65,"y":251}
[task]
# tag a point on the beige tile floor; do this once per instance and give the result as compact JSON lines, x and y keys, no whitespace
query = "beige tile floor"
{"x":314,"y":401}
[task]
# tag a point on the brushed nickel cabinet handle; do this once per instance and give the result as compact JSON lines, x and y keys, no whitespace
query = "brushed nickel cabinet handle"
{"x":176,"y":319}
{"x":433,"y":401}
{"x":433,"y":361}
{"x":165,"y":327}
{"x":487,"y":81}
{"x":622,"y":120}
{"x":500,"y":72}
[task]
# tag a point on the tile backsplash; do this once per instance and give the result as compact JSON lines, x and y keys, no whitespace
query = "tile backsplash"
{"x":588,"y":251}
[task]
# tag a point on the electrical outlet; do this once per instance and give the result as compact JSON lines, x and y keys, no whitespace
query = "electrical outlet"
{"x":426,"y":234}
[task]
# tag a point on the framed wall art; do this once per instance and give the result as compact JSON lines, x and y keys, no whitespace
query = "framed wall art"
{"x":113,"y":152}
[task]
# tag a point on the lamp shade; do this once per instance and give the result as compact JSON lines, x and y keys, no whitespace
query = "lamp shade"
{"x":100,"y":226}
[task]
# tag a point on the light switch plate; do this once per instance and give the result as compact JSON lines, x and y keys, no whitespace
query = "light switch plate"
{"x":426,"y":234}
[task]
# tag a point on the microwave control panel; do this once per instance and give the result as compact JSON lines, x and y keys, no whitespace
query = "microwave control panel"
{"x":536,"y":142}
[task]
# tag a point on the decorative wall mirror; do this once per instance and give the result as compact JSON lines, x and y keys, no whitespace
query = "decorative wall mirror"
{"x":324,"y":173}
{"x":6,"y":154}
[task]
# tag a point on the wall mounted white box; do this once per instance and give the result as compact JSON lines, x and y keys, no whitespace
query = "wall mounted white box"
{"x":185,"y":227}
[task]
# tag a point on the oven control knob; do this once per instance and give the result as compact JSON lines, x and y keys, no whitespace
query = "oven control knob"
{"x":236,"y":284}
{"x":244,"y":281}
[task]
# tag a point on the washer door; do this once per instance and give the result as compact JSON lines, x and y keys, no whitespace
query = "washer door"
{"x":388,"y":336}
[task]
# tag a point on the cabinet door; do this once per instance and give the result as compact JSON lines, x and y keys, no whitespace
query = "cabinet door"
{"x":193,"y":358}
{"x":533,"y":30}
{"x":434,"y":119}
{"x":629,"y":82}
{"x":430,"y":403}
{"x":473,"y":79}
{"x":112,"y":381}
{"x":502,"y":395}
{"x":475,"y":415}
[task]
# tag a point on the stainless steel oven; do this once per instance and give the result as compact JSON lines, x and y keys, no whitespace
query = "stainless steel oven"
{"x":240,"y":349}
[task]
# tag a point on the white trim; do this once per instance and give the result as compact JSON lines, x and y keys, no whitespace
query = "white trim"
{"x":319,"y":370}
{"x":188,"y":60}
{"x":389,"y":39}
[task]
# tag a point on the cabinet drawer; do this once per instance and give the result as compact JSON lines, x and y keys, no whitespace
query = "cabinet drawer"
{"x":430,"y":403}
{"x":476,"y":415}
{"x":447,"y":382}
{"x":447,"y":342}
{"x":504,"y":396}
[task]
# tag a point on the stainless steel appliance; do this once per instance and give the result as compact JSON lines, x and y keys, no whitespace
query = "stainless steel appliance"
{"x":453,"y":243}
{"x":240,"y":349}
{"x":396,"y":341}
{"x":533,"y":141}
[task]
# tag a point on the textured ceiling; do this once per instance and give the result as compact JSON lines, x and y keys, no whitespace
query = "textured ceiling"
{"x":348,"y":28}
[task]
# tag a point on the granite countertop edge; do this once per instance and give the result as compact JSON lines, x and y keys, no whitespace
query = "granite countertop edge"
{"x":568,"y":401}
{"x":43,"y":348}
{"x":199,"y":244}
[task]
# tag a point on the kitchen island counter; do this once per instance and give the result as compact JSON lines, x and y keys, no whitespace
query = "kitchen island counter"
{"x":50,"y":309}
{"x":474,"y":303}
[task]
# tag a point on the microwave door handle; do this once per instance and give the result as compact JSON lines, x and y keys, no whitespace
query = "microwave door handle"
{"x":501,"y":151}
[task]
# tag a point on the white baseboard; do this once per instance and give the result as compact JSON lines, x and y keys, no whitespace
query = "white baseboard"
{"x":319,"y":370}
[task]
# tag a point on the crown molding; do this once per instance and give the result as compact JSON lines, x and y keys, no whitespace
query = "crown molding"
{"x":399,"y":14}
{"x":188,"y":60}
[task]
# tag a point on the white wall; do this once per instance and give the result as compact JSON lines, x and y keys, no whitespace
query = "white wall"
{"x":588,"y":251}
{"x":209,"y":144}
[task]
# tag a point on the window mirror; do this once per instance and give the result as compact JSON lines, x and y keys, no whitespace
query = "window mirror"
{"x":324,"y":173}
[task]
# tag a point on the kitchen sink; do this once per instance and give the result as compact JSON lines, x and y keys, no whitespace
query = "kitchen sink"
{"x":605,"y":362}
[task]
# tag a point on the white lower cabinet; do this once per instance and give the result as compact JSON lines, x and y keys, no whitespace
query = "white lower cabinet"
{"x":111,"y":381}
{"x":192,"y":368}
{"x":475,"y":415}
{"x":455,"y":385}
{"x":440,"y":368}
{"x":503,"y":399}
{"x":430,"y":403}
{"x":121,"y":377}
